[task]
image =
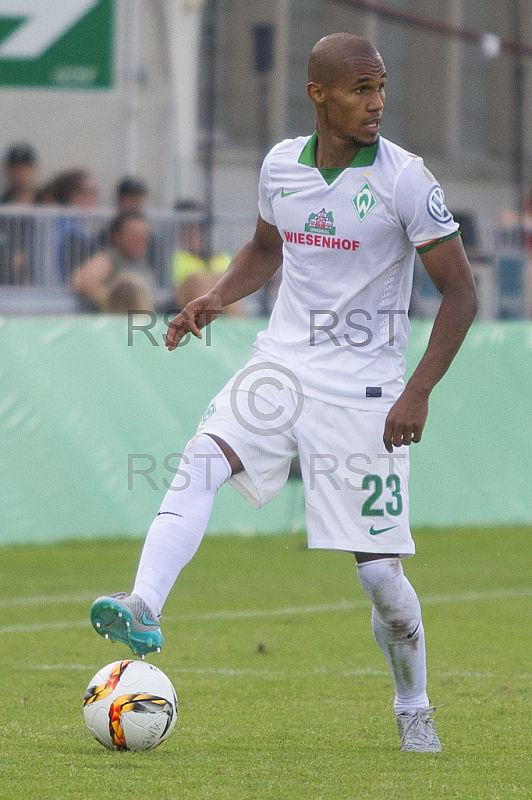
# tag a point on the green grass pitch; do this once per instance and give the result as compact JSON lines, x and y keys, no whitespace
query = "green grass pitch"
{"x":283,"y":693}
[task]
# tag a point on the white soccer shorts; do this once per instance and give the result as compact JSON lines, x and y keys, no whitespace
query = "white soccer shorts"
{"x":356,"y":494}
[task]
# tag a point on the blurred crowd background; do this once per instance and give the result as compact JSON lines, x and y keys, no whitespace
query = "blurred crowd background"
{"x":133,"y":133}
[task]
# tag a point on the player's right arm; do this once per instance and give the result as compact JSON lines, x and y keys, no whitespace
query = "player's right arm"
{"x":250,"y":269}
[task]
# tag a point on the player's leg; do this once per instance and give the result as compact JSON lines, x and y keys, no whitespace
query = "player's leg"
{"x":172,"y":540}
{"x":248,"y":418}
{"x":178,"y":529}
{"x":398,"y":630}
{"x":357,"y":500}
{"x":397,"y":626}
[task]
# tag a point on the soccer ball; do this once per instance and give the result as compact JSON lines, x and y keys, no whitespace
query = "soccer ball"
{"x":130,"y":705}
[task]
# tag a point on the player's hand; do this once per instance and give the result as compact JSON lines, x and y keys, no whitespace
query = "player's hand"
{"x":195,"y":316}
{"x":406,"y":419}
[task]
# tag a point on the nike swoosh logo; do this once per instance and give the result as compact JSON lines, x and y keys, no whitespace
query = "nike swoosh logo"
{"x":373,"y":532}
{"x":173,"y":513}
{"x":147,"y":621}
{"x":287,"y":194}
{"x":414,"y":631}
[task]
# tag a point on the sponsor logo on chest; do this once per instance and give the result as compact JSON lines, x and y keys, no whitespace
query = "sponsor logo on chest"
{"x":320,"y":231}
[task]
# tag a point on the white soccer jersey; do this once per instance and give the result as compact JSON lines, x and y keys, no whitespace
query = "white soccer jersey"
{"x":349,"y":238}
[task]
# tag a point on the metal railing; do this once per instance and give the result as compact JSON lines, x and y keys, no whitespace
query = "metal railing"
{"x":40,"y":247}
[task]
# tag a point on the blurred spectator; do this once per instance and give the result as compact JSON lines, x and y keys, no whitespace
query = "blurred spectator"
{"x":131,"y":195}
{"x":21,"y":167}
{"x":45,"y":194}
{"x":127,"y":292}
{"x":16,"y":231}
{"x":77,"y":190}
{"x":527,"y":244}
{"x":513,"y":260}
{"x":118,"y":277}
{"x":527,"y":222}
{"x":193,"y":273}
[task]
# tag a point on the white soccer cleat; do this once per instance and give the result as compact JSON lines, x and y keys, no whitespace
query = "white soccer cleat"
{"x":418,"y":731}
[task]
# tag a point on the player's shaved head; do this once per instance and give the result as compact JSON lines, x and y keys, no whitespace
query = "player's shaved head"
{"x":337,"y":54}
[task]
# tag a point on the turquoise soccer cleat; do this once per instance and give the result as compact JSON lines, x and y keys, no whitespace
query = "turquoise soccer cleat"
{"x":127,"y":619}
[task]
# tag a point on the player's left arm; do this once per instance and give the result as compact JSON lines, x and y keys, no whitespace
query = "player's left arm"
{"x":450,"y":272}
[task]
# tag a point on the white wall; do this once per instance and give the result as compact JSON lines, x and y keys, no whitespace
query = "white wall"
{"x":148,"y":124}
{"x":96,"y":129}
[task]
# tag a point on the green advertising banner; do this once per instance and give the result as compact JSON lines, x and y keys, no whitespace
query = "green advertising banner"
{"x":94,"y":414}
{"x":57,"y":44}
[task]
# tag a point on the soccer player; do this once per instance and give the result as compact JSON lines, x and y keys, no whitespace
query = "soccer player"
{"x":344,"y":211}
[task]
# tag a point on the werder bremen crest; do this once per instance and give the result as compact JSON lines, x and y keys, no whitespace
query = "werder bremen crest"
{"x":210,"y":411}
{"x":322,"y":222}
{"x":364,"y":201}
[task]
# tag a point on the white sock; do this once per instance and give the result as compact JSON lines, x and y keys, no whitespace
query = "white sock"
{"x":176,"y":532}
{"x":398,"y":629}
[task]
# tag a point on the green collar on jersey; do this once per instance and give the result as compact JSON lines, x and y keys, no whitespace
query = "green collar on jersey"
{"x":364,"y":158}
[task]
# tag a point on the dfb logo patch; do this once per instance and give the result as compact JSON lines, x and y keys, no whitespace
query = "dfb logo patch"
{"x":436,"y":205}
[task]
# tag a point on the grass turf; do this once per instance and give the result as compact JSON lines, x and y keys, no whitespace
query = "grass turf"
{"x":283,"y":693}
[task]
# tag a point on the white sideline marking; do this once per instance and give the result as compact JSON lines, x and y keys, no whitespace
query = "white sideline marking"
{"x":320,"y":608}
{"x":342,"y":605}
{"x":263,"y":673}
{"x":54,"y":599}
{"x":59,"y":667}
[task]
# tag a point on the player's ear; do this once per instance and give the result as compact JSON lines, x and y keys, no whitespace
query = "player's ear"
{"x":315,"y":92}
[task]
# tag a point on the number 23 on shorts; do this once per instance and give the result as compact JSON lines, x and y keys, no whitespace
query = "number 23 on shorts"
{"x":375,"y":504}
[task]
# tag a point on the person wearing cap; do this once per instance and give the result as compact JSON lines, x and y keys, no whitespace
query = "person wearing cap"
{"x":17,"y":230}
{"x":21,"y":167}
{"x":131,"y":195}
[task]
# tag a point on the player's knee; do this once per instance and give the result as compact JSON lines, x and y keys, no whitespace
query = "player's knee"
{"x":234,"y":461}
{"x":400,"y":624}
{"x":395,"y":604}
{"x":203,"y":465}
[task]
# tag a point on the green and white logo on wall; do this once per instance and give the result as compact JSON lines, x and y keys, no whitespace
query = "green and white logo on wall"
{"x":57,"y":44}
{"x":364,"y":201}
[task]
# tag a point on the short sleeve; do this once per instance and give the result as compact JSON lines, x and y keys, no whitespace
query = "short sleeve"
{"x":265,"y":200}
{"x":420,"y":205}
